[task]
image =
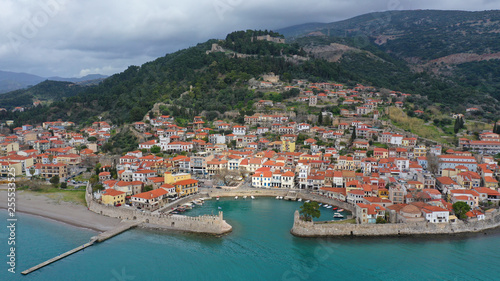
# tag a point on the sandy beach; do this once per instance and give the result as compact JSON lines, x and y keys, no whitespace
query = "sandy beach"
{"x":74,"y":214}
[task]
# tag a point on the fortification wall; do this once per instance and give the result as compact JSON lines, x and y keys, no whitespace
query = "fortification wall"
{"x":202,"y":224}
{"x":310,"y":229}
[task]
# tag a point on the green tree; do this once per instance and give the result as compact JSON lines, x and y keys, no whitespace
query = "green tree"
{"x":97,"y":187}
{"x":380,"y":220}
{"x":92,"y":139}
{"x":320,"y":119}
{"x":54,"y":180}
{"x":310,"y":210}
{"x":459,"y":124}
{"x":461,"y":208}
{"x":155,"y":149}
{"x":32,"y":171}
{"x":94,"y":179}
{"x":64,"y":185}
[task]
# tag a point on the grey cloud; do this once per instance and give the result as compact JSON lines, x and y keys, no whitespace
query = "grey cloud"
{"x":71,"y":38}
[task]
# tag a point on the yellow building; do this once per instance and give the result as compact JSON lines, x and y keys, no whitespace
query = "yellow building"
{"x":172,"y":178}
{"x":9,"y":169}
{"x":420,"y":150}
{"x":287,"y":146}
{"x":383,"y":193}
{"x":186,"y":187}
{"x":7,"y":147}
{"x":113,"y":197}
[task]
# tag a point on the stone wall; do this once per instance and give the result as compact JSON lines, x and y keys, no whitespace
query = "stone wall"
{"x":202,"y":224}
{"x":311,"y":229}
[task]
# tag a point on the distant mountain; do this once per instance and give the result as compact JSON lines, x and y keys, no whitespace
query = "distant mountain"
{"x":418,"y":35}
{"x":10,"y":81}
{"x":81,"y":79}
{"x":454,"y":47}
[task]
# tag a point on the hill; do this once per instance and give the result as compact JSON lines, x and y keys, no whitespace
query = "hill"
{"x":456,"y":48}
{"x":213,"y":77}
{"x":421,"y":34}
{"x":11,"y":81}
{"x":45,"y":93}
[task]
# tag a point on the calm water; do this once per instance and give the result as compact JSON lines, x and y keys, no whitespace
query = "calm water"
{"x":259,"y":248}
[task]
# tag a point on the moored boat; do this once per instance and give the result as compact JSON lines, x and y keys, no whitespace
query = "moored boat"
{"x":341,"y":210}
{"x":300,"y":199}
{"x":338,"y":215}
{"x":329,"y":207}
{"x":235,"y":197}
{"x":252,"y":197}
{"x":307,"y":201}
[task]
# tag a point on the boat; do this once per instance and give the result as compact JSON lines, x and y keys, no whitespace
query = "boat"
{"x":326,"y":206}
{"x":320,"y":204}
{"x":300,"y":199}
{"x":235,"y":197}
{"x":329,"y":207}
{"x":219,"y":207}
{"x":335,"y":208}
{"x":277,"y":197}
{"x":338,"y":215}
{"x":245,"y":197}
{"x":341,"y":210}
{"x":281,"y":197}
{"x":307,"y":201}
{"x":252,"y":197}
{"x":217,"y":198}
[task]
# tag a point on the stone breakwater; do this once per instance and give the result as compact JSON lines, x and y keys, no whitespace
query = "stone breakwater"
{"x":202,"y":224}
{"x":314,"y":229}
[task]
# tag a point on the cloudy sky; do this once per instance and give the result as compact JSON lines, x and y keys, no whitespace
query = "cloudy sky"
{"x":76,"y":38}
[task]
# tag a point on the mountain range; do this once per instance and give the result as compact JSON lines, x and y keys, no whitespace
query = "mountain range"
{"x":10,"y":81}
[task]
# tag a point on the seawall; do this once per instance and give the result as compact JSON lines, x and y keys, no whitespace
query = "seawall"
{"x":203,"y":224}
{"x":311,"y":229}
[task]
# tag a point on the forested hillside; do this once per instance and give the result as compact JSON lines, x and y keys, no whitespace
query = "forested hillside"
{"x":194,"y":80}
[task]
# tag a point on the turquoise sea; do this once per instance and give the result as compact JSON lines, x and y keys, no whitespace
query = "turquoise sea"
{"x":259,"y":248}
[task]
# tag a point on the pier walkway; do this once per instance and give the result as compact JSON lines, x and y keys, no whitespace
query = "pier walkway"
{"x":123,"y":226}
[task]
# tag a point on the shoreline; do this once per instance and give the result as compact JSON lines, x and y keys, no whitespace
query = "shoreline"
{"x":418,"y":229}
{"x":68,"y":213}
{"x":48,"y":218}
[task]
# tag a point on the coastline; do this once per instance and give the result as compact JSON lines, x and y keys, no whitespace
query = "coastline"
{"x":65,"y":212}
{"x":310,"y":229}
